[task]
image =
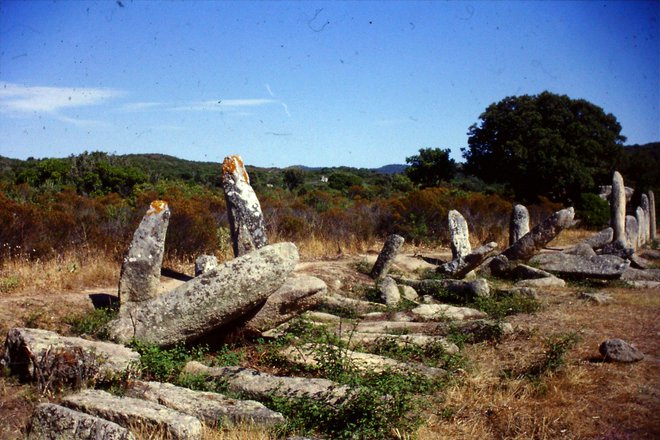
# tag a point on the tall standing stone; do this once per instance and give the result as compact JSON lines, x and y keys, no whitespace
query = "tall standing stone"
{"x":387,"y":256}
{"x":459,"y":235}
{"x":246,"y":221}
{"x":640,"y":214}
{"x":140,"y":271}
{"x":519,"y":224}
{"x":632,"y":231}
{"x":618,"y":210}
{"x":652,"y":215}
{"x":644,"y":203}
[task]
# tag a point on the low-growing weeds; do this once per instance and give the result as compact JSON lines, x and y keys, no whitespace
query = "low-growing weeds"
{"x":92,"y":323}
{"x":163,"y":364}
{"x":500,"y":306}
{"x":432,"y":354}
{"x":551,"y":359}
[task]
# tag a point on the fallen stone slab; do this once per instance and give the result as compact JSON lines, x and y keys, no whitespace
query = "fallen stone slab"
{"x":322,"y":317}
{"x":205,"y":263}
{"x":130,"y":413}
{"x":298,"y":294}
{"x":246,"y":221}
{"x":50,"y":422}
{"x":600,"y":239}
{"x":259,"y":385}
{"x":595,"y":297}
{"x":607,"y":267}
{"x":532,"y":242}
{"x":631,"y":274}
{"x":528,"y":272}
{"x":528,"y":292}
{"x":387,"y":255}
{"x":359,"y":306}
{"x":356,"y":339}
{"x":618,"y":350}
{"x":140,"y":272}
{"x":536,"y":283}
{"x":581,"y":250}
{"x":208,"y":301}
{"x":467,"y":289}
{"x":311,"y":355}
{"x":439,"y":312}
{"x":41,"y":355}
{"x":460,"y":267}
{"x":644,"y":284}
{"x":430,"y":328}
{"x":638,"y":262}
{"x":214,"y":409}
{"x":409,"y":293}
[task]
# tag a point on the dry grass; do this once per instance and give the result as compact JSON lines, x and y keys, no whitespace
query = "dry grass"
{"x":569,"y":237}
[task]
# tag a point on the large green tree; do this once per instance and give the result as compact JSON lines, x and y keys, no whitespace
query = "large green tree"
{"x":545,"y":145}
{"x":430,"y":167}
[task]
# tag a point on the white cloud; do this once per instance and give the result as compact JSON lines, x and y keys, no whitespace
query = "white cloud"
{"x":18,"y":99}
{"x":222,"y":104}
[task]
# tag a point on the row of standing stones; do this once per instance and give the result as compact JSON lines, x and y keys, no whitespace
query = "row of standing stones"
{"x":258,"y":293}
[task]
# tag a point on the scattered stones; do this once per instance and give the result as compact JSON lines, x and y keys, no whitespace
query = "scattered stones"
{"x":444,"y":312}
{"x":389,"y":292}
{"x":41,"y":355}
{"x":632,"y":274}
{"x":528,"y":292}
{"x":460,"y":267}
{"x":618,"y":350}
{"x":607,"y":267}
{"x":140,"y":271}
{"x":312,"y":354}
{"x":595,"y":297}
{"x":526,"y":272}
{"x":532,"y":242}
{"x":424,"y":341}
{"x":459,"y":235}
{"x":51,"y":421}
{"x":519,"y":224}
{"x":387,"y":255}
{"x":581,"y":250}
{"x":212,"y":408}
{"x":436,"y":288}
{"x":408,"y":293}
{"x":551,"y":281}
{"x":260,"y":385}
{"x":359,"y":306}
{"x":632,"y":232}
{"x":618,"y":209}
{"x":130,"y":412}
{"x":638,"y":262}
{"x":209,"y":300}
{"x":246,"y":221}
{"x":205,"y":263}
{"x":600,"y":239}
{"x":652,"y":220}
{"x":297,"y":294}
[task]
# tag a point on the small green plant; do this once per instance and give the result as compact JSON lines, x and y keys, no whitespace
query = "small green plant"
{"x":475,"y":332}
{"x":226,"y":356}
{"x":552,"y":359}
{"x":93,"y":323}
{"x":432,"y":354}
{"x":162,"y":364}
{"x":363,"y":266}
{"x":9,"y":284}
{"x":500,"y":306}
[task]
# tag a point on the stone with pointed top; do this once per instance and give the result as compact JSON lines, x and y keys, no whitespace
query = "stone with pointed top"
{"x":458,"y":235}
{"x":652,"y":229}
{"x":387,"y":255}
{"x":618,"y":209}
{"x":519,"y":224}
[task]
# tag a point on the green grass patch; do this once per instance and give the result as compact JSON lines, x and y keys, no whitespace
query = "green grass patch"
{"x":92,"y":323}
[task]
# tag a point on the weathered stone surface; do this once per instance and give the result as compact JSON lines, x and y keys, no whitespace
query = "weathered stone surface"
{"x":310,"y":355}
{"x":54,"y":422}
{"x":211,"y":408}
{"x":632,"y":232}
{"x":529,"y":292}
{"x":31,"y":353}
{"x":205,"y":263}
{"x":551,"y":281}
{"x":532,"y":242}
{"x":439,"y":312}
{"x":460,"y":267}
{"x":355,"y":339}
{"x":428,"y":328}
{"x":595,"y":297}
{"x":618,"y":209}
{"x":209,"y":300}
{"x":409,"y":293}
{"x":646,"y":227}
{"x":606,"y":267}
{"x":459,"y":235}
{"x":652,"y":220}
{"x":246,"y":221}
{"x":606,"y":192}
{"x":631,"y":274}
{"x":528,"y":272}
{"x":128,"y":412}
{"x":387,"y":255}
{"x":644,"y":284}
{"x":600,"y":239}
{"x":260,"y":385}
{"x":640,"y":216}
{"x":638,"y":262}
{"x":297,"y":294}
{"x":361,"y":307}
{"x":618,"y":350}
{"x":615,"y":249}
{"x":389,"y":292}
{"x":519,"y":224}
{"x":581,"y":250}
{"x":140,"y":271}
{"x":469,"y":289}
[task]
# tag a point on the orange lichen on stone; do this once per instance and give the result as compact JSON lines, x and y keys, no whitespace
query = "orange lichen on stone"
{"x":157,"y":206}
{"x":231,"y":164}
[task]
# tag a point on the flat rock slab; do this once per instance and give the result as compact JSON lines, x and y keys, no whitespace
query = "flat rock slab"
{"x":429,"y":328}
{"x":130,"y":412}
{"x":208,"y":301}
{"x":437,"y":288}
{"x":607,"y":267}
{"x":310,"y":355}
{"x":631,"y":274}
{"x":536,"y":283}
{"x":260,"y":385}
{"x":27,"y":350}
{"x":440,"y":312}
{"x":460,"y":267}
{"x":358,"y":305}
{"x":355,"y":339}
{"x":55,"y":422}
{"x":595,"y":297}
{"x":211,"y":408}
{"x":618,"y":350}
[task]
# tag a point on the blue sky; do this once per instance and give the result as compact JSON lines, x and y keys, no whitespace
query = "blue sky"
{"x":360,"y":84}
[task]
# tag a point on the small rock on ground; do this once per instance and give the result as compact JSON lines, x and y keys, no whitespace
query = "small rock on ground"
{"x":618,"y":350}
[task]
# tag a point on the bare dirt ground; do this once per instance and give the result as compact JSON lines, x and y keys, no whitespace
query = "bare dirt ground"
{"x":586,"y":399}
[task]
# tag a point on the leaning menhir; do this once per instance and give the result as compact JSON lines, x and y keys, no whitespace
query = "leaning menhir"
{"x":387,"y":256}
{"x":246,"y":221}
{"x":140,"y":271}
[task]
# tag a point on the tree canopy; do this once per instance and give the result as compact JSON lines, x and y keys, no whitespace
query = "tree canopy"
{"x":430,"y":167}
{"x":545,"y":145}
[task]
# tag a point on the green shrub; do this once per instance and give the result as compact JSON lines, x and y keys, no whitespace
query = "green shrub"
{"x":164,"y":365}
{"x":594,"y":211}
{"x":93,"y":323}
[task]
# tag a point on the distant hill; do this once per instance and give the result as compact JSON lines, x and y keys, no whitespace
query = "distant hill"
{"x":391,"y":169}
